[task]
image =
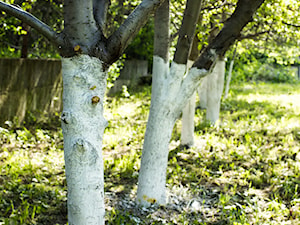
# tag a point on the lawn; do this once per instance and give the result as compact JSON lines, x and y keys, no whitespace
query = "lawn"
{"x":245,"y":171}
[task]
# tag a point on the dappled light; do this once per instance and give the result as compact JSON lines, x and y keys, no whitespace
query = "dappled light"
{"x":244,"y":171}
{"x":113,"y":132}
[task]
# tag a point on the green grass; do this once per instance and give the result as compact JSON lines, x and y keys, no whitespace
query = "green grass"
{"x":246,"y":171}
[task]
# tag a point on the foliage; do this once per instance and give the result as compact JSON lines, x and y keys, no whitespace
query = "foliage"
{"x":12,"y":29}
{"x":260,"y":70}
{"x":142,"y":45}
{"x":114,"y":71}
{"x":246,"y":171}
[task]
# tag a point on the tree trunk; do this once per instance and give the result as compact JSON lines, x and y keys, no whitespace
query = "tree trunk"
{"x":85,"y":50}
{"x":228,"y":79}
{"x":83,"y":126}
{"x":202,"y":92}
{"x":164,"y":110}
{"x":162,"y":117}
{"x":188,"y":114}
{"x":187,"y":129}
{"x":229,"y":74}
{"x":215,"y":85}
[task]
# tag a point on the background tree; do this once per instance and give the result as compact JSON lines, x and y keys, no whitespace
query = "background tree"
{"x":259,"y":38}
{"x":87,"y":54}
{"x":272,"y":43}
{"x":174,"y":91}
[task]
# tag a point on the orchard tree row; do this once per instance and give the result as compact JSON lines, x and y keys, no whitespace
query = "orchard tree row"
{"x":93,"y":36}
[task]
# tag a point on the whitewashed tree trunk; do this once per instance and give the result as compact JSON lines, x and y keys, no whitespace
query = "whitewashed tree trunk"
{"x":169,"y":98}
{"x":187,"y":129}
{"x":83,"y":126}
{"x":188,"y":114}
{"x":162,"y":117}
{"x":228,"y":79}
{"x":215,"y":85}
{"x":202,"y":92}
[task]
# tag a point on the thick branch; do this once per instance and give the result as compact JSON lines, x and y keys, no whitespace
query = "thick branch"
{"x":162,"y":31}
{"x":230,"y":32}
{"x":34,"y":22}
{"x":100,"y":8}
{"x":219,"y":45}
{"x":121,"y":38}
{"x":187,"y":31}
{"x":194,"y":49}
{"x":79,"y":24}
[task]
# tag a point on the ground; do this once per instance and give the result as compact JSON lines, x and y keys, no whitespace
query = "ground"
{"x":244,"y":171}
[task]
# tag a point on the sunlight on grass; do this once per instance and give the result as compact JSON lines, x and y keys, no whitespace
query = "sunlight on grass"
{"x":245,"y":171}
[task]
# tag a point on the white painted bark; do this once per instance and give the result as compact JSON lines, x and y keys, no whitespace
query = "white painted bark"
{"x":188,"y":114}
{"x":187,"y":129}
{"x":228,"y":79}
{"x":170,"y":91}
{"x":162,"y":116}
{"x":202,"y":92}
{"x":83,"y":126}
{"x":215,"y":85}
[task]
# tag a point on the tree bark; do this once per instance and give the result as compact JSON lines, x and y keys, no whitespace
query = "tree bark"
{"x":82,"y":26}
{"x":187,"y":129}
{"x":215,"y":85}
{"x":83,"y":126}
{"x":188,"y":114}
{"x":202,"y":92}
{"x":163,"y":110}
{"x":152,"y":177}
{"x":168,"y":102}
{"x":229,"y":74}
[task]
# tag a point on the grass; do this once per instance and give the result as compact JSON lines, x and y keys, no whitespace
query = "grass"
{"x":246,"y":171}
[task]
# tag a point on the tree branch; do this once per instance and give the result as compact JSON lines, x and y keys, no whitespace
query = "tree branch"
{"x":219,"y":45}
{"x":231,"y":31}
{"x":34,"y":22}
{"x":100,"y":8}
{"x":80,"y":25}
{"x":252,"y":36}
{"x":291,"y":24}
{"x":162,"y":31}
{"x":187,"y":31}
{"x":121,"y":38}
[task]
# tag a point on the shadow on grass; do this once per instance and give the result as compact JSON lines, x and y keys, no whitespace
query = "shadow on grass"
{"x":32,"y":203}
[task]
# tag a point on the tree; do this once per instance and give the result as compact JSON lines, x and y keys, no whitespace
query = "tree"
{"x":188,"y":112}
{"x":272,"y":33}
{"x":152,"y":175}
{"x":87,"y":53}
{"x":174,"y":89}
